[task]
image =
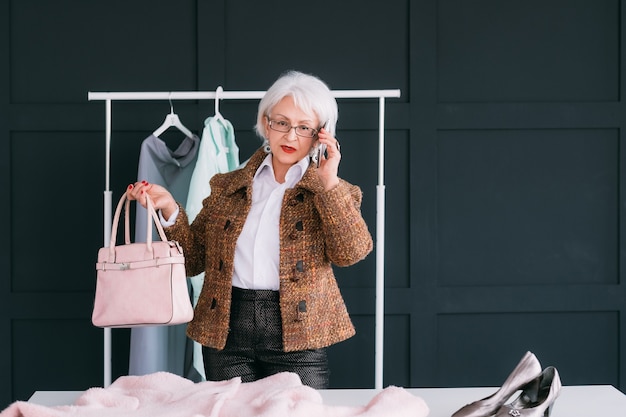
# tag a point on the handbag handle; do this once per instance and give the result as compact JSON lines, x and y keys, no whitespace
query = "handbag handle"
{"x":152,"y":213}
{"x":152,"y":217}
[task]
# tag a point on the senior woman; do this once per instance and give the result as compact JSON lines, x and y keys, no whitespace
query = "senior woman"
{"x":266,"y":238}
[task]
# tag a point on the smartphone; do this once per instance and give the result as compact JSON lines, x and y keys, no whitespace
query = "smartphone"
{"x":321,"y":149}
{"x":321,"y":152}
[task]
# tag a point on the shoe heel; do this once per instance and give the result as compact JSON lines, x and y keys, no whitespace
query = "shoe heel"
{"x":549,"y":390}
{"x":524,"y":373}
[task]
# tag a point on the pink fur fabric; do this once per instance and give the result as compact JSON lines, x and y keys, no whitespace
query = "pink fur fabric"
{"x":166,"y":395}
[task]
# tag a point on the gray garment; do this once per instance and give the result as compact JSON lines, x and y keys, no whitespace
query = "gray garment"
{"x":154,"y":349}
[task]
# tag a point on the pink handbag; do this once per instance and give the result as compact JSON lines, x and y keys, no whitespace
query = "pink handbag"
{"x":141,"y":284}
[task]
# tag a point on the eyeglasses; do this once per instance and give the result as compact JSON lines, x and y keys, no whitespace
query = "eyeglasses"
{"x":284,"y":127}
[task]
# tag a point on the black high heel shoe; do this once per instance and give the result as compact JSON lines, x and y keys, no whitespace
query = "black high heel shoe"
{"x":539,"y":405}
{"x":524,"y":376}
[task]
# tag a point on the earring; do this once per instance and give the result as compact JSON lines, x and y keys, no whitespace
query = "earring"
{"x":266,"y":147}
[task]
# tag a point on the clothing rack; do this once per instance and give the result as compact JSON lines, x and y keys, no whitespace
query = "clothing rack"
{"x":220,"y":94}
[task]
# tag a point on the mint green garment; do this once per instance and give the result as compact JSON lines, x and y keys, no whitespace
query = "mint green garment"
{"x":218,"y":153}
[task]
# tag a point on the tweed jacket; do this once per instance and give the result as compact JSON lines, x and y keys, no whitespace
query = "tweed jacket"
{"x":317,"y":228}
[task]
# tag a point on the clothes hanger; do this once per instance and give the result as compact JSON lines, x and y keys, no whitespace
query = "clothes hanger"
{"x":218,"y":92}
{"x":172,"y":119}
{"x":218,"y":116}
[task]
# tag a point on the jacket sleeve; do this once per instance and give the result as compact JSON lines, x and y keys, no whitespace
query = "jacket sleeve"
{"x":346,"y":234}
{"x":192,"y":243}
{"x":192,"y":238}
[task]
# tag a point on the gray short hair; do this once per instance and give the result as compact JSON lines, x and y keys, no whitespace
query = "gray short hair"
{"x":309,"y":93}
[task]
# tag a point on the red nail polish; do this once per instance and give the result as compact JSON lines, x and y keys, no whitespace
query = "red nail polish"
{"x":130,"y":186}
{"x":143,"y":182}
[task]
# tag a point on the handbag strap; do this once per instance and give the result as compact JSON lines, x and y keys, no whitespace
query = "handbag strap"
{"x":126,"y":222}
{"x":152,"y":217}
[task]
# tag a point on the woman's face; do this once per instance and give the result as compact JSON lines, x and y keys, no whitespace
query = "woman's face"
{"x":287,"y":147}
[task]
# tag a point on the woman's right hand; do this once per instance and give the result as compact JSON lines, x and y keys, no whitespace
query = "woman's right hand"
{"x":161,"y":198}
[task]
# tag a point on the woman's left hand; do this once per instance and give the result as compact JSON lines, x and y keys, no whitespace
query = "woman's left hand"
{"x":329,"y":165}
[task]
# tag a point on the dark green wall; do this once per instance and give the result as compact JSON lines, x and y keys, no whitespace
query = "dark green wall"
{"x":503,"y":171}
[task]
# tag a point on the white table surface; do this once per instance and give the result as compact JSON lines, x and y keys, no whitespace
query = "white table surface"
{"x":574,"y":401}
